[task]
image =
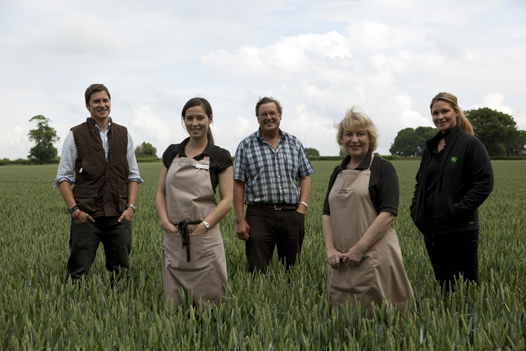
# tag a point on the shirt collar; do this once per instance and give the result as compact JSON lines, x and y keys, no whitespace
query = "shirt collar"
{"x":92,"y":123}
{"x":281,"y":135}
{"x":179,"y":149}
{"x":448,"y":137}
{"x":364,"y":164}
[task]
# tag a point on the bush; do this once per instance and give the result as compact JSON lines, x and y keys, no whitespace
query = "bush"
{"x":148,"y":159}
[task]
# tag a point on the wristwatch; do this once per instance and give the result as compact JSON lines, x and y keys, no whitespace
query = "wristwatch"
{"x":207,"y":225}
{"x":133,"y":207}
{"x":304,"y":204}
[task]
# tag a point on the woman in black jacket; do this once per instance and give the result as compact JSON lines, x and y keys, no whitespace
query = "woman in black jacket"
{"x":454,"y":179}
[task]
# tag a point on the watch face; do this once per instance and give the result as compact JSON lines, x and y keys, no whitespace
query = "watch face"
{"x":207,"y":225}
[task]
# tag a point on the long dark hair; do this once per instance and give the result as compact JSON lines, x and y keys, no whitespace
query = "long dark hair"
{"x":199,"y":101}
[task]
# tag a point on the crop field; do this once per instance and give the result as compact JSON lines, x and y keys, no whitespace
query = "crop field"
{"x":278,"y":311}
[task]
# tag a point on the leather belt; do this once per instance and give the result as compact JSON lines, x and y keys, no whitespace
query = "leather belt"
{"x":278,"y":207}
{"x":183,"y":228}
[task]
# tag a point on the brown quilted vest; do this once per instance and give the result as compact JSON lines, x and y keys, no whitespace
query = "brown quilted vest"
{"x":101,"y":185}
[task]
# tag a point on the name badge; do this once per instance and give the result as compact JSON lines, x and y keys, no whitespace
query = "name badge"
{"x":198,"y":166}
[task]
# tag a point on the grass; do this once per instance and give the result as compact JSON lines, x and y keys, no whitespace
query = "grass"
{"x":277,"y":311}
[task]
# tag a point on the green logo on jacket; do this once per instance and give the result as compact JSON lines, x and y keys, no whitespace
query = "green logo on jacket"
{"x":453,"y":160}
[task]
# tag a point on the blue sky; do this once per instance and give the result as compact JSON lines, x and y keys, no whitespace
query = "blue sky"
{"x":319,"y":58}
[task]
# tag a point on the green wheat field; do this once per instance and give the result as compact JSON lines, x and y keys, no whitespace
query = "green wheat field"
{"x":278,"y":311}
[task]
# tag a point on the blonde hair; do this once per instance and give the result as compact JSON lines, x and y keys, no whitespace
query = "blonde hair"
{"x":357,"y":119}
{"x":452,"y":100}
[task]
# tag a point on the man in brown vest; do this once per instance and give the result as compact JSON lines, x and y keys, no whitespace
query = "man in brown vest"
{"x":102,"y":201}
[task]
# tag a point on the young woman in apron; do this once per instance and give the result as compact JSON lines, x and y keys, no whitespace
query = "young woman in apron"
{"x":193,"y":254}
{"x":365,"y":261}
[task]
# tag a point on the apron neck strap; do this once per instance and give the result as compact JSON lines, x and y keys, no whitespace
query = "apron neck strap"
{"x":371,"y":163}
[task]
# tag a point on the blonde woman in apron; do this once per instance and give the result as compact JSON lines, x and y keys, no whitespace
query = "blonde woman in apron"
{"x":192,"y":253}
{"x":365,"y":261}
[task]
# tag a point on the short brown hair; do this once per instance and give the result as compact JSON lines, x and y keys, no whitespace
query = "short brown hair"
{"x":266,"y":100}
{"x":95,"y":88}
{"x":354,"y":119}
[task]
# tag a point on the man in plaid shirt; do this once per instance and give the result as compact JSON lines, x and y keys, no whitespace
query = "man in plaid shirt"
{"x":272,"y":176}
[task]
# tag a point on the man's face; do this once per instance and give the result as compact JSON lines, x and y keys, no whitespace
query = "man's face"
{"x":99,"y":106}
{"x":268,"y":117}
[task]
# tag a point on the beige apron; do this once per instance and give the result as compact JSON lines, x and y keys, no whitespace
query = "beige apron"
{"x":381,"y":274}
{"x":190,"y":197}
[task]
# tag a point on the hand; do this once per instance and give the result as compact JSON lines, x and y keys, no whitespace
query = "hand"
{"x":82,"y":217}
{"x":127,"y":214}
{"x":301,"y":209}
{"x":353,"y":257}
{"x":169,"y":228}
{"x":335,"y":258}
{"x":242,"y":230}
{"x":200,"y":229}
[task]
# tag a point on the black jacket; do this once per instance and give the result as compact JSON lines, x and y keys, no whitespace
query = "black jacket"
{"x":465,"y":181}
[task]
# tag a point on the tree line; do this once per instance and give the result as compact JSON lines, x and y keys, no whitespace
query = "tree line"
{"x":497,"y":131}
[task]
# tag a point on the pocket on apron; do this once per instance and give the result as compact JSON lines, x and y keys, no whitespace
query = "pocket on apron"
{"x":201,"y":251}
{"x":353,"y":279}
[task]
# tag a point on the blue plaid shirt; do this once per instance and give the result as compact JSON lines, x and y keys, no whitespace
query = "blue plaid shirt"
{"x":271,"y":176}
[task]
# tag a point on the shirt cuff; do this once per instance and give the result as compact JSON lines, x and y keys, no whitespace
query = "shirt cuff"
{"x":135,"y":179}
{"x":59,"y":180}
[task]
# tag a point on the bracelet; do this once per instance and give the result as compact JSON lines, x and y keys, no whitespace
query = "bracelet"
{"x":133,"y":207}
{"x":78,"y":214}
{"x":73,"y":209}
{"x":304,"y":204}
{"x":239,"y":220}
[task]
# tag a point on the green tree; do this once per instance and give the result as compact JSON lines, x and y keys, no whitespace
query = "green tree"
{"x":497,"y":131}
{"x":411,"y":142}
{"x":44,"y":136}
{"x":520,"y":147}
{"x":310,"y":151}
{"x":145,"y":150}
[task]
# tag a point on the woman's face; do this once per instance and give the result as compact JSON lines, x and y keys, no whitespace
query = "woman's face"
{"x":444,"y":115}
{"x":356,"y":142}
{"x":197,"y":122}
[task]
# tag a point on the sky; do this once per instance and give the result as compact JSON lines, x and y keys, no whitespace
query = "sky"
{"x":318,"y":58}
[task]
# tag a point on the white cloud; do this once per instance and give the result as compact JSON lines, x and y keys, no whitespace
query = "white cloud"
{"x":146,"y":126}
{"x":14,"y":140}
{"x":494,"y":101}
{"x":408,"y":116}
{"x":317,"y":58}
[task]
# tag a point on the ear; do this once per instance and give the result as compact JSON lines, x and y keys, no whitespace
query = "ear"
{"x":87,"y":106}
{"x":211,"y":119}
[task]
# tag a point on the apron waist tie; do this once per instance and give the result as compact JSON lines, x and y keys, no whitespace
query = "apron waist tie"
{"x":183,"y":228}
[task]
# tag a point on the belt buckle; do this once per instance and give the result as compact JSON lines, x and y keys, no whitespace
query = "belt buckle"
{"x":277,"y":208}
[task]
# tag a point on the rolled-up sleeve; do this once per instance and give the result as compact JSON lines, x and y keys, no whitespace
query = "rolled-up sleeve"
{"x":133,"y":175}
{"x":66,"y":167}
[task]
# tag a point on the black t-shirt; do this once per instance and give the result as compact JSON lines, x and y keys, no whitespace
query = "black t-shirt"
{"x":383,"y":184}
{"x":220,"y":158}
